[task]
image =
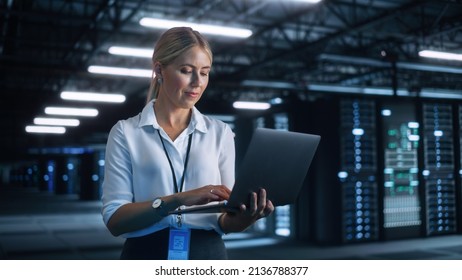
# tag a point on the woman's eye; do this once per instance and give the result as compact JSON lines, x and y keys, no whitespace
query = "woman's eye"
{"x":186,"y":71}
{"x":204,"y":74}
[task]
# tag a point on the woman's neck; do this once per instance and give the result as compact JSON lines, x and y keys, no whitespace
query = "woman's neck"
{"x":173,"y":121}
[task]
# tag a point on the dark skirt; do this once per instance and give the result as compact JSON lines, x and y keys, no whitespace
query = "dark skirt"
{"x":204,"y":245}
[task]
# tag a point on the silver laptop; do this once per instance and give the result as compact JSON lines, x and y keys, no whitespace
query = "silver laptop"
{"x":275,"y":160}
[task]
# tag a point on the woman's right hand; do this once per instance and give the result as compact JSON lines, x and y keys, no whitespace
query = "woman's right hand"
{"x":204,"y":195}
{"x":138,"y":215}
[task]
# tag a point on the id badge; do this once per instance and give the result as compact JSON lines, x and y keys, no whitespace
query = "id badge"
{"x":178,"y":244}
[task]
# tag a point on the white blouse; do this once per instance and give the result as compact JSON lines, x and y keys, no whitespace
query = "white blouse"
{"x":137,"y":168}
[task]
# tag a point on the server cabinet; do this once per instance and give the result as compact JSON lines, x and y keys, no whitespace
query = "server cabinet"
{"x":385,"y":169}
{"x":344,"y":188}
{"x":402,"y":217}
{"x":439,"y":169}
{"x":358,"y":174}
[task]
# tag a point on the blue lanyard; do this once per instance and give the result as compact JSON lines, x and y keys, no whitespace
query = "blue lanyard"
{"x":177,"y":190}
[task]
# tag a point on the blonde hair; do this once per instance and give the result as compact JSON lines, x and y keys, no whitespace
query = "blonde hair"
{"x":171,"y":44}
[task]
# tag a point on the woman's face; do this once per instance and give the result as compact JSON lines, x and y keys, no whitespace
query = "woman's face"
{"x":184,"y":80}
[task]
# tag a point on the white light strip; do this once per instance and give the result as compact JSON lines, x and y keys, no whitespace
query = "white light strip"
{"x":45,"y":129}
{"x":268,"y":84}
{"x":440,"y":55}
{"x":424,"y":93}
{"x":251,"y":105}
{"x":437,"y":93}
{"x":119,"y":71}
{"x":429,"y":68}
{"x":357,"y":90}
{"x":56,"y":121}
{"x":93,"y":96}
{"x":203,"y":28}
{"x":136,"y":52}
{"x":308,"y":1}
{"x":67,"y":111}
{"x":402,"y":65}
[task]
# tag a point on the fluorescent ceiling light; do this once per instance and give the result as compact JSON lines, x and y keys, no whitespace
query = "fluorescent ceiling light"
{"x":439,"y":93}
{"x":440,"y":55}
{"x":56,"y":121}
{"x":429,"y":68}
{"x":424,"y":93}
{"x":45,"y":129}
{"x":402,"y":65}
{"x":67,"y":111}
{"x":93,"y":96}
{"x":354,"y":90}
{"x":203,"y":28}
{"x":269,"y":84}
{"x":119,"y":71}
{"x":308,"y":1}
{"x":136,"y":52}
{"x":251,"y":105}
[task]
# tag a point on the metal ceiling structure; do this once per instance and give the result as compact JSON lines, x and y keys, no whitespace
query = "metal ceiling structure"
{"x":297,"y":49}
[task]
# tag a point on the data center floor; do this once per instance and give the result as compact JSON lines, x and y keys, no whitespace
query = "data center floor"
{"x":41,"y":226}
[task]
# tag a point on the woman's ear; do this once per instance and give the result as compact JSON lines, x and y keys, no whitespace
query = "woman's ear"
{"x":158,"y":70}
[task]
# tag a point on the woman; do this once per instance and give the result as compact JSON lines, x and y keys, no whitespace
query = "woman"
{"x":171,"y":156}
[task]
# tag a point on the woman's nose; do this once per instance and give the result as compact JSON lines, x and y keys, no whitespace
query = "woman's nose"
{"x":196,"y":80}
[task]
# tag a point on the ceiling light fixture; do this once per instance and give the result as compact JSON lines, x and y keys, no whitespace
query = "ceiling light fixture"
{"x":440,"y":55}
{"x":56,"y":121}
{"x":251,"y":105}
{"x":136,"y":52}
{"x":45,"y":129}
{"x":203,"y":28}
{"x":120,"y":71}
{"x":68,"y":111}
{"x":440,"y":93}
{"x":269,"y":84}
{"x":93,"y":96}
{"x":424,"y":93}
{"x":308,"y":1}
{"x":402,"y":65}
{"x":353,"y":90}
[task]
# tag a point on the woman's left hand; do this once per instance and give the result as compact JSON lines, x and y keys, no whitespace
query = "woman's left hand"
{"x":259,"y":207}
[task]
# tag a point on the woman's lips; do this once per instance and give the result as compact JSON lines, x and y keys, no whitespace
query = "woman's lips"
{"x":192,"y":94}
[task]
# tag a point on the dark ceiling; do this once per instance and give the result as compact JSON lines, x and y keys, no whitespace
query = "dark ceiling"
{"x":296,"y":49}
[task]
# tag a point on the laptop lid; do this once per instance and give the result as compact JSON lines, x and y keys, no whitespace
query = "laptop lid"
{"x":275,"y":160}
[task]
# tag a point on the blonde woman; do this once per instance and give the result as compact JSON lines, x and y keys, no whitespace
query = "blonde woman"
{"x":169,"y":156}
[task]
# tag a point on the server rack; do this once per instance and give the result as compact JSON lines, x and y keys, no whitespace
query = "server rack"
{"x":439,"y":169}
{"x":385,"y":169}
{"x":344,"y":199}
{"x":402,"y":217}
{"x":358,"y":174}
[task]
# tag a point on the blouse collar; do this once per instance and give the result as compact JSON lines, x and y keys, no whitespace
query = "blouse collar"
{"x":148,"y":118}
